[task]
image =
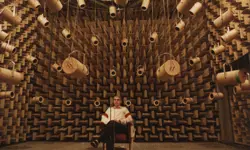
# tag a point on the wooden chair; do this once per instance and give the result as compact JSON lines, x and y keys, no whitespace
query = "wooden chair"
{"x":124,"y":137}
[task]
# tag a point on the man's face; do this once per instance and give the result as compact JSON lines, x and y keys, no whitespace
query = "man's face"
{"x":117,"y":101}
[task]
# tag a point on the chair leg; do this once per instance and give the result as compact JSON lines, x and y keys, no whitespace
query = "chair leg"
{"x":131,"y":145}
{"x":104,"y":146}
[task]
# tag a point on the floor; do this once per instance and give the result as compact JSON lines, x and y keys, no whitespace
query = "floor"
{"x":137,"y":146}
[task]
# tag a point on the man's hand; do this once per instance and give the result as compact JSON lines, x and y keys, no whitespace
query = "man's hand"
{"x":119,"y":121}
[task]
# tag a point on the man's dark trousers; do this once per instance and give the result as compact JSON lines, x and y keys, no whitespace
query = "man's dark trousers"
{"x":107,"y":135}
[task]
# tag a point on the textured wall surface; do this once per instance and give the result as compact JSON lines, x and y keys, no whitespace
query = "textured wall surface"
{"x":69,"y":110}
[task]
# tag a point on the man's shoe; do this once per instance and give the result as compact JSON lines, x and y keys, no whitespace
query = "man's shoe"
{"x":94,"y":143}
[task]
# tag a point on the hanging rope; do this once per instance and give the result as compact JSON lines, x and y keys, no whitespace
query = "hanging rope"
{"x":152,"y":17}
{"x":44,"y":8}
{"x":178,"y":14}
{"x":68,"y":14}
{"x":95,"y":15}
{"x":169,"y":32}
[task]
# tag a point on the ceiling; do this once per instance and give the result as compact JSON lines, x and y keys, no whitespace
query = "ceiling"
{"x":130,"y":12}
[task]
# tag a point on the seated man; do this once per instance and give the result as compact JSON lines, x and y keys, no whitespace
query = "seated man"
{"x":115,"y":119}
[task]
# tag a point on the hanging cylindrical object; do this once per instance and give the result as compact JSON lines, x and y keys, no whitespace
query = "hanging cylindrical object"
{"x":153,"y":37}
{"x":156,"y":102}
{"x":229,"y":36}
{"x":140,"y":71}
{"x":169,"y":69}
{"x":7,"y":15}
{"x":7,"y":94}
{"x":67,"y":102}
{"x":231,"y":77}
{"x":112,"y":72}
{"x":121,"y":2}
{"x":245,"y":85}
{"x":218,"y":50}
{"x":112,"y":11}
{"x":97,"y":103}
{"x":3,"y":35}
{"x":184,"y":5}
{"x":124,"y":42}
{"x":57,"y":67}
{"x":43,"y":20}
{"x":224,"y":19}
{"x":74,"y":68}
{"x":94,"y":41}
{"x":238,"y":90}
{"x":31,"y":59}
{"x":10,"y":76}
{"x":38,"y":99}
{"x":66,"y":33}
{"x":81,"y":3}
{"x":196,"y":8}
{"x":189,"y":100}
{"x":194,"y":61}
{"x":9,"y":48}
{"x":180,"y":26}
{"x":54,"y":5}
{"x":34,"y":3}
{"x":128,"y":103}
{"x":215,"y":96}
{"x":145,"y":4}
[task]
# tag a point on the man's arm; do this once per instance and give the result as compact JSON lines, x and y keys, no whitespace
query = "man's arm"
{"x":128,"y":118}
{"x":106,"y":116}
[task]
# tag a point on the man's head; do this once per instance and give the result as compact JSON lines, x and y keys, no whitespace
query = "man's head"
{"x":117,"y":101}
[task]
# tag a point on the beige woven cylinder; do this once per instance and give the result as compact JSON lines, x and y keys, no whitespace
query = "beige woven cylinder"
{"x":245,"y":85}
{"x":238,"y":90}
{"x":67,"y":102}
{"x":196,"y":8}
{"x":7,"y":15}
{"x":156,"y":102}
{"x":218,"y":50}
{"x":9,"y":48}
{"x":74,"y":68}
{"x":112,"y":72}
{"x":34,"y":3}
{"x":124,"y":42}
{"x":7,"y":94}
{"x":140,"y":71}
{"x":54,"y":5}
{"x":31,"y":59}
{"x":121,"y":2}
{"x":169,"y":69}
{"x":112,"y":11}
{"x":3,"y":35}
{"x":94,"y":41}
{"x":194,"y":61}
{"x":189,"y":100}
{"x":128,"y":103}
{"x":231,"y":78}
{"x":145,"y":4}
{"x":81,"y":3}
{"x":66,"y":33}
{"x":38,"y":99}
{"x":153,"y":37}
{"x":215,"y":96}
{"x":97,"y":103}
{"x":57,"y":67}
{"x":224,"y":19}
{"x":11,"y":77}
{"x":43,"y":20}
{"x":184,"y":5}
{"x":180,"y":26}
{"x":229,"y":36}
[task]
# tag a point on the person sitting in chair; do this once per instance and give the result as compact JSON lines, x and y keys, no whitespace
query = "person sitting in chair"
{"x":115,"y":119}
